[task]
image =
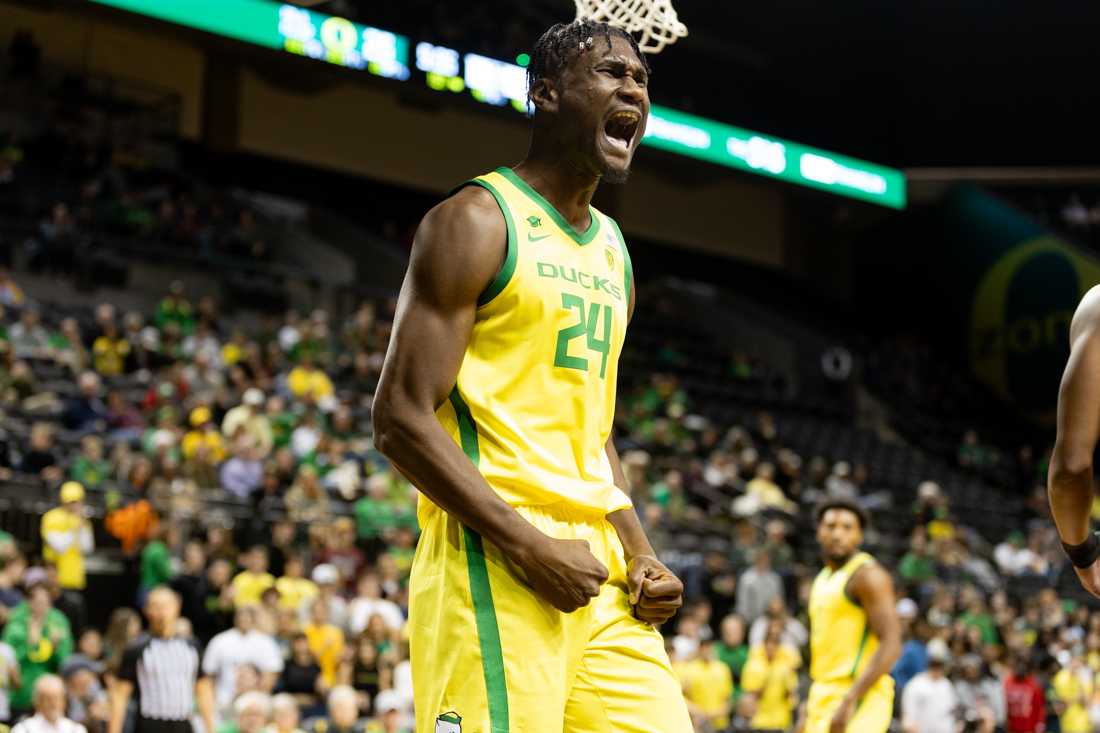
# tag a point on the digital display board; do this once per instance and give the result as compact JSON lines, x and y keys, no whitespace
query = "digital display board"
{"x":496,"y":82}
{"x":754,"y":152}
{"x":286,"y":28}
{"x":442,"y":67}
{"x":339,"y":41}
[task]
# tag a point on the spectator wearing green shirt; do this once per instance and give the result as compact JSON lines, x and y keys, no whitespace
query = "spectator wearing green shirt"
{"x":978,"y":616}
{"x":282,"y":421}
{"x":374,"y":515}
{"x":163,"y":439}
{"x":156,"y":564}
{"x":732,"y":649}
{"x":669,"y":493}
{"x":89,"y":468}
{"x":663,"y":396}
{"x":42,"y":640}
{"x":917,"y":566}
{"x":176,"y":309}
{"x":402,"y":549}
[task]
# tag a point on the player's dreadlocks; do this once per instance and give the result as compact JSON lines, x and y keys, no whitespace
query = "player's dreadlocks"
{"x":558,"y":45}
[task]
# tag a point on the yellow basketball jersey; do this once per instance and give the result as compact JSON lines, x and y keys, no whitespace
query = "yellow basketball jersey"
{"x":841,"y":642}
{"x":535,"y":396}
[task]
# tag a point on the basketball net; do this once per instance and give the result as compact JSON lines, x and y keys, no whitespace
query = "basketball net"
{"x":654,"y":22}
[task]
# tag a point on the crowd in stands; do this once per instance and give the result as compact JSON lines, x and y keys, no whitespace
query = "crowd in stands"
{"x":168,"y":411}
{"x":172,"y":413}
{"x":117,"y":195}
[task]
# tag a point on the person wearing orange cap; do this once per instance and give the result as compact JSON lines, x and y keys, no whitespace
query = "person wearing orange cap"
{"x":66,"y":540}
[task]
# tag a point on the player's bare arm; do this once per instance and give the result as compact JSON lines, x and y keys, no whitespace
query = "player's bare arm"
{"x":458,"y":249}
{"x":655,"y":592}
{"x":1070,"y":482}
{"x":873,"y":589}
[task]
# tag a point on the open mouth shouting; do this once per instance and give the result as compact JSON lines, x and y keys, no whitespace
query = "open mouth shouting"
{"x":621,"y":128}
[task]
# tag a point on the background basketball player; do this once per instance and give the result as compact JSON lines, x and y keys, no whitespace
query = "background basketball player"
{"x":855,"y":638}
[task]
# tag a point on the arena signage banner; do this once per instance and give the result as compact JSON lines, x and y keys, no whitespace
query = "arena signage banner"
{"x":1021,"y":308}
{"x":339,"y":41}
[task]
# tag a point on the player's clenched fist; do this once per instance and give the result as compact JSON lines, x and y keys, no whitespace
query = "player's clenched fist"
{"x":655,"y":593}
{"x":564,"y":572}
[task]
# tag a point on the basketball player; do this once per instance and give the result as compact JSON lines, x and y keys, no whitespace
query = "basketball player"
{"x":534,"y":590}
{"x":855,"y":637}
{"x":1069,"y":481}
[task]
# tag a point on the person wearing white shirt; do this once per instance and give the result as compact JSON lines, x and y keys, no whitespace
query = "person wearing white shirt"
{"x":49,"y":709}
{"x":370,"y":602}
{"x":242,"y":644}
{"x":1013,"y":556}
{"x":929,"y":703}
{"x":793,"y":633}
{"x":403,"y":687}
{"x":9,"y":678}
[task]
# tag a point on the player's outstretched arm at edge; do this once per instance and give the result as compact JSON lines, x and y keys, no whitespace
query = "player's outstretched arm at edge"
{"x":458,"y":249}
{"x":655,"y":592}
{"x":1069,"y":481}
{"x":873,"y":589}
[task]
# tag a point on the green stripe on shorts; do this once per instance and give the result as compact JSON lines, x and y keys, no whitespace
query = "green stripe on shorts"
{"x":485,"y":613}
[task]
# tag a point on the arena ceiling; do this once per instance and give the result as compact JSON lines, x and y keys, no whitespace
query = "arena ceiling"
{"x":907,"y":83}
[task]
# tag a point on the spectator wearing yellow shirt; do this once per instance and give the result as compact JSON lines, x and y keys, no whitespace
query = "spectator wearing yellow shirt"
{"x":204,"y":438}
{"x":235,"y":349}
{"x":66,"y":540}
{"x":294,"y":588}
{"x":109,"y":351}
{"x":247,"y":420}
{"x":708,"y":686}
{"x":67,"y":537}
{"x":249,"y":584}
{"x":770,"y":682}
{"x":326,"y":641}
{"x":306,"y":380}
{"x":1073,"y":688}
{"x":763,"y":493}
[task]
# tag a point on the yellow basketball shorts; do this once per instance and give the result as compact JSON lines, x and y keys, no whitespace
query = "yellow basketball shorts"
{"x":489,"y":656}
{"x":872,"y":714}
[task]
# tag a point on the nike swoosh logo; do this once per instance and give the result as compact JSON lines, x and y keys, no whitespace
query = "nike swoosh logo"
{"x":532,"y":238}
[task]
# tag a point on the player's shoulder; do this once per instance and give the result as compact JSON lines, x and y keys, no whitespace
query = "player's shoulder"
{"x":870,"y":575}
{"x":460,"y":245}
{"x":470,"y":210}
{"x":1087,"y":315}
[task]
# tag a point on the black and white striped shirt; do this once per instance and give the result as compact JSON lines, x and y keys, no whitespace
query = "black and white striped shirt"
{"x":163,"y":672}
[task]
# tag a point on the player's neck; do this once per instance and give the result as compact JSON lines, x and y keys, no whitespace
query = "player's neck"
{"x":835,"y":564}
{"x":567,"y":187}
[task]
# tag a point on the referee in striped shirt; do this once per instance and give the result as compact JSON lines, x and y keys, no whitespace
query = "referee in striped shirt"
{"x":165,"y":671}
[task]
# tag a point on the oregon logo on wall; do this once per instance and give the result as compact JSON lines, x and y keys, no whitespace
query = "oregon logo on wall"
{"x":1019,"y":321}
